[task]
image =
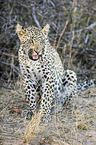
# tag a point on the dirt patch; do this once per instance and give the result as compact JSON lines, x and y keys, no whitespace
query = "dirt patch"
{"x":75,"y":124}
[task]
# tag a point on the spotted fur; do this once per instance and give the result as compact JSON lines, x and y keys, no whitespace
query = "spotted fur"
{"x":42,"y":71}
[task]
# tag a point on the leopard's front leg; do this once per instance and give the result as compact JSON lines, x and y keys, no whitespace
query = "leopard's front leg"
{"x":30,"y":88}
{"x":46,"y":100}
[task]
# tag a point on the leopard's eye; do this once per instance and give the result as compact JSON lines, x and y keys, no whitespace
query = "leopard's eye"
{"x":30,"y":51}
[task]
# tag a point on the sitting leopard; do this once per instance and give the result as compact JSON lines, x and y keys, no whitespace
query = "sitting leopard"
{"x":42,"y":72}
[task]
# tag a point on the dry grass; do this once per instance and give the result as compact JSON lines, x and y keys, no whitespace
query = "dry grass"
{"x":75,"y":36}
{"x":74,"y":125}
{"x":32,"y":128}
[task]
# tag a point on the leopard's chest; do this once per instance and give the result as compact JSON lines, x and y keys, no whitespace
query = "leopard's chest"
{"x":42,"y":70}
{"x":34,"y":69}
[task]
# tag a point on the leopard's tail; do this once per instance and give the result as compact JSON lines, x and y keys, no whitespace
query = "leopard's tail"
{"x":86,"y":84}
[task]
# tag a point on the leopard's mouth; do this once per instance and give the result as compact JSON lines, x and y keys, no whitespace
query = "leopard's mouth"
{"x":34,"y":55}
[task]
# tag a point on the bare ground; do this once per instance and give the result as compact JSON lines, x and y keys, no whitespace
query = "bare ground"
{"x":75,"y":124}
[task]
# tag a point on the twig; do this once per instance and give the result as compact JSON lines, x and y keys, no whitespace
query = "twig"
{"x":86,"y":38}
{"x":9,"y":55}
{"x":87,"y":28}
{"x":69,"y":63}
{"x":51,"y":3}
{"x":62,"y":34}
{"x":91,"y":26}
{"x":34,"y":17}
{"x":55,"y":38}
{"x":8,"y":64}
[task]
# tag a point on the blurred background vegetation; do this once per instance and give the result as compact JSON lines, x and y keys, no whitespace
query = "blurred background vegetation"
{"x":72,"y":33}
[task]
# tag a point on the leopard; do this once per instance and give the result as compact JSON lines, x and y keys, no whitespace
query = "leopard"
{"x":42,"y":72}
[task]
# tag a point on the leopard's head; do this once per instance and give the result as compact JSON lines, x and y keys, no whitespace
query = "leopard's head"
{"x":34,"y":40}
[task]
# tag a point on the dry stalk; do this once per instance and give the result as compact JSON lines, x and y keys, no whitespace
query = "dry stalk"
{"x":32,"y":127}
{"x":70,"y":60}
{"x":62,"y":34}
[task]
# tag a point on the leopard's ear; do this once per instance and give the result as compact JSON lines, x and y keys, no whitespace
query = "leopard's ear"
{"x":21,"y":33}
{"x":45,"y":30}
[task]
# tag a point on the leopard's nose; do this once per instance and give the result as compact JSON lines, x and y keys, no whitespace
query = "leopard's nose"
{"x":37,"y":51}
